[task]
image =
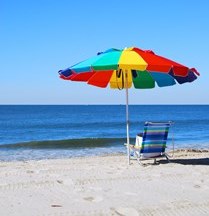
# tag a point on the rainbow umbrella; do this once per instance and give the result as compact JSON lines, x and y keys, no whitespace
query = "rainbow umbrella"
{"x":122,"y":69}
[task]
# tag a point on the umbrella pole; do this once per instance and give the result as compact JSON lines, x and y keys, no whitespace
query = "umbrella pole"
{"x":127,"y":117}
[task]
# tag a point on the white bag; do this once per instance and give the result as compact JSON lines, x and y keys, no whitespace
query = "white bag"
{"x":138,"y":142}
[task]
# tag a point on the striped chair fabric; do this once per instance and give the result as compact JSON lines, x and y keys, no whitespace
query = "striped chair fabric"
{"x":154,"y":137}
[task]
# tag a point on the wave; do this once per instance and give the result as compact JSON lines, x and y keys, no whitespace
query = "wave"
{"x":66,"y":144}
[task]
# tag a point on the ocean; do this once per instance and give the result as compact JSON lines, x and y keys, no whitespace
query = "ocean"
{"x":34,"y":132}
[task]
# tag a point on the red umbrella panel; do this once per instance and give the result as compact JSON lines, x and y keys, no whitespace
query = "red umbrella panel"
{"x":109,"y":67}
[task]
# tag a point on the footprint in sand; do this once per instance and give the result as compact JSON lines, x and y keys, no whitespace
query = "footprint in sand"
{"x":93,"y":199}
{"x":67,"y":182}
{"x":125,"y":211}
{"x":131,"y":194}
{"x":60,"y":181}
{"x":95,"y":188}
{"x":29,"y":171}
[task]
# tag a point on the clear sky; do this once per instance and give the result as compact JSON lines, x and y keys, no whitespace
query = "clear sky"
{"x":40,"y":37}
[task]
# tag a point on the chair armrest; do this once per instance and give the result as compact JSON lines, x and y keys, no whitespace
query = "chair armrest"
{"x":131,"y":145}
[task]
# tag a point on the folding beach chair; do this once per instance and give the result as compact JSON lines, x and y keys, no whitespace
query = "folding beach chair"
{"x":153,"y":141}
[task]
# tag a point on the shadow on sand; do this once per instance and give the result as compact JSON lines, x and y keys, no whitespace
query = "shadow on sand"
{"x":191,"y":161}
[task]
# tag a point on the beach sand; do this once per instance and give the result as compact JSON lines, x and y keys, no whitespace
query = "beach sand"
{"x":106,"y":185}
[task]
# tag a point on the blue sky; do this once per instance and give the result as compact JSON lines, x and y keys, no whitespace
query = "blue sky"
{"x":38,"y":38}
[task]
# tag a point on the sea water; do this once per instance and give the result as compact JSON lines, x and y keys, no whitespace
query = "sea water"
{"x":63,"y":131}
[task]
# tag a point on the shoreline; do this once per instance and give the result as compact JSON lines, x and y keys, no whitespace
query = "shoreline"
{"x":187,"y":152}
{"x":106,"y":185}
{"x":105,"y":154}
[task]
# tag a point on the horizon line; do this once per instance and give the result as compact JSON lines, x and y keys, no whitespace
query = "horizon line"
{"x":103,"y":104}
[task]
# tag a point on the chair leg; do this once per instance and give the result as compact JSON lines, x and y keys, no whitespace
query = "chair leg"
{"x":139,"y":162}
{"x":138,"y":157}
{"x":167,"y":158}
{"x":137,"y":154}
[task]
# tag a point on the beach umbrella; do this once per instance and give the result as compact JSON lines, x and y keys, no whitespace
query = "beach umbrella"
{"x":128,"y":67}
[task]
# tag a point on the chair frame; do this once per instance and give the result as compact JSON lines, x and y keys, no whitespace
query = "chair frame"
{"x":139,"y":155}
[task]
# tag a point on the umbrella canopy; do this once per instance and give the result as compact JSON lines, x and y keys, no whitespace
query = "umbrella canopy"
{"x":129,"y":67}
{"x":144,"y":70}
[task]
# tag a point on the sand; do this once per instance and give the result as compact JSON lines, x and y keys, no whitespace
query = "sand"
{"x":106,"y":185}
